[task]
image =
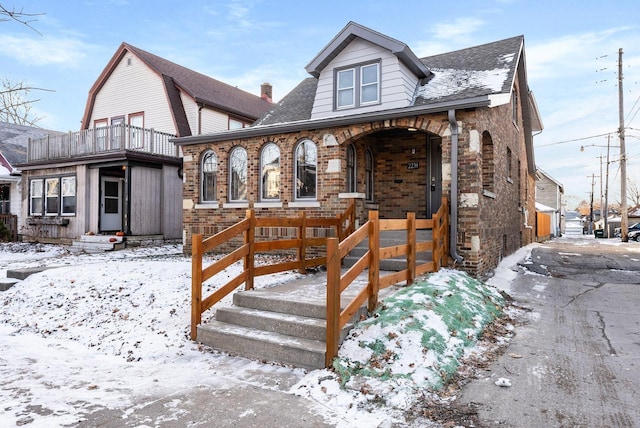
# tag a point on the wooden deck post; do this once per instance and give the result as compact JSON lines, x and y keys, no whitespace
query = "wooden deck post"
{"x":302,"y":250}
{"x":435,"y":238}
{"x":374,"y":266}
{"x":333,"y":300}
{"x":196,"y":284}
{"x":249,"y":259}
{"x":411,"y":241}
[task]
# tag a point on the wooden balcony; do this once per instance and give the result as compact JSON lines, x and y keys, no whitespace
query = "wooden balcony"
{"x":101,"y":140}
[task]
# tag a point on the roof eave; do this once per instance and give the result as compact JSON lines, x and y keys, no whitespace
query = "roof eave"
{"x":282,"y":128}
{"x":352,"y":30}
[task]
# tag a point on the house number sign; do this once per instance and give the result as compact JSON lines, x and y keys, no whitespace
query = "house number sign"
{"x":413,"y":165}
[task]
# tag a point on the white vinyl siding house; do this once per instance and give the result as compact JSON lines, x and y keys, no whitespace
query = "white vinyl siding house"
{"x":145,"y":93}
{"x":397,"y":83}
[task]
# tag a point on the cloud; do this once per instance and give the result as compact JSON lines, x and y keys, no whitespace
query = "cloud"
{"x":448,"y":36}
{"x":573,"y":54}
{"x":459,"y":29}
{"x":66,"y":52}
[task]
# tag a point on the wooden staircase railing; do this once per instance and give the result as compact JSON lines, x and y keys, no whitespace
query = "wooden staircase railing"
{"x":336,"y":251}
{"x":343,"y":223}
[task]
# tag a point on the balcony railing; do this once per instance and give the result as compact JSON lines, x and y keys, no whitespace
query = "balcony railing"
{"x":101,"y":140}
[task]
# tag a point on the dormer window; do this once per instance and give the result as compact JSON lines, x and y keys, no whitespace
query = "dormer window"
{"x":358,"y":86}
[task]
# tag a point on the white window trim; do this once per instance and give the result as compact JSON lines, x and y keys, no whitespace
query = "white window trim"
{"x":44,"y":206}
{"x":352,"y":88}
{"x":304,"y":204}
{"x":31,"y":182}
{"x":351,"y":195}
{"x":235,"y":204}
{"x":267,"y":205}
{"x":362,"y":85}
{"x":207,"y":206}
{"x":62,"y":196}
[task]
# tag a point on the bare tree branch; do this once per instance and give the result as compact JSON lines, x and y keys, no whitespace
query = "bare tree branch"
{"x":19,"y":16}
{"x":15,"y":106}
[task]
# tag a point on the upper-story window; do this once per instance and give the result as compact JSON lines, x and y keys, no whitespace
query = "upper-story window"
{"x":136,"y":130}
{"x":351,"y":168}
{"x":358,"y":86}
{"x":236,"y":124}
{"x":509,"y":167}
{"x":209,"y":177}
{"x":238,"y":174}
{"x":270,"y":173}
{"x":306,"y":162}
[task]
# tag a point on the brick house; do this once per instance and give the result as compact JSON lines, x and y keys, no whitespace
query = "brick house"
{"x":376,"y":124}
{"x":120,"y":172}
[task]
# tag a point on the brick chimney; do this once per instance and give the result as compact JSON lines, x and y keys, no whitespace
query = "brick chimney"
{"x":266,"y":92}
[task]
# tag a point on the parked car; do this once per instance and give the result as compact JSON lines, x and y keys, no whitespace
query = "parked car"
{"x":633,"y":228}
{"x":634,"y":235}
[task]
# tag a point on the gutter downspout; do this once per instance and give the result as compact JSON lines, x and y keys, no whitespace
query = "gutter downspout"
{"x":453,"y":224}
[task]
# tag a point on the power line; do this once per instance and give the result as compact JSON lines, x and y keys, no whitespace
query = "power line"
{"x":576,"y":139}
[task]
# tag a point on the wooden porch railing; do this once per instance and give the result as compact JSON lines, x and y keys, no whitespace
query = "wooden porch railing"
{"x":101,"y":140}
{"x":336,"y":251}
{"x":344,"y":225}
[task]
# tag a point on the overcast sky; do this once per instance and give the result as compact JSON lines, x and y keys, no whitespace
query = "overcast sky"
{"x":571,"y":53}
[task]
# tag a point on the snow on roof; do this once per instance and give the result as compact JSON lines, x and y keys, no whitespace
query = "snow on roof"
{"x":447,"y":82}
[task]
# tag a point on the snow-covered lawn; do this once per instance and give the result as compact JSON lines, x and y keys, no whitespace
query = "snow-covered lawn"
{"x":102,"y":330}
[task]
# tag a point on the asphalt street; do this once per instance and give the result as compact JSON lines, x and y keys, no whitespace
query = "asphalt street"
{"x":575,"y":358}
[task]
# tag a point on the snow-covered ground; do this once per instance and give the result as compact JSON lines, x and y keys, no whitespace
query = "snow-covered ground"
{"x":102,"y":330}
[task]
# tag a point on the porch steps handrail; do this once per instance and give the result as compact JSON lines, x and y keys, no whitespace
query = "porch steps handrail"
{"x":344,"y":223}
{"x":338,"y":282}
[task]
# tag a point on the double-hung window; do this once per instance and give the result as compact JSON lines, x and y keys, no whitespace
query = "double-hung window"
{"x":35,"y":197}
{"x":358,"y":86}
{"x":68,"y":192}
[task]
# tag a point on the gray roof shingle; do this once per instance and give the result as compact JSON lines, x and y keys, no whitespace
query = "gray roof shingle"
{"x":467,"y":73}
{"x":14,"y":140}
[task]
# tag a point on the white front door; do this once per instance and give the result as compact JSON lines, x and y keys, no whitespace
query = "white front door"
{"x":110,"y":204}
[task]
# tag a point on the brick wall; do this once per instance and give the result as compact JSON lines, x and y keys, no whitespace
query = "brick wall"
{"x":490,"y":227}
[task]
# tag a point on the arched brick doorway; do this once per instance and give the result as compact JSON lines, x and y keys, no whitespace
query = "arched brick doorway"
{"x":407,"y":173}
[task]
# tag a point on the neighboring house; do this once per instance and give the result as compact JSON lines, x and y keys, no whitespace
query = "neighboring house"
{"x":120,"y":172}
{"x":550,"y":194}
{"x":376,"y":124}
{"x":13,"y":152}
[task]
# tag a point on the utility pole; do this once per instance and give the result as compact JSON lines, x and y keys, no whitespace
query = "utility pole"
{"x":601,"y":193}
{"x":593,"y":183}
{"x":606,"y":193}
{"x":624,"y":222}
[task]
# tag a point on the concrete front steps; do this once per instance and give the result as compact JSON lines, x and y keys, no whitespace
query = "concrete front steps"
{"x":390,"y":239}
{"x":284,"y":324}
{"x":98,"y":243}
